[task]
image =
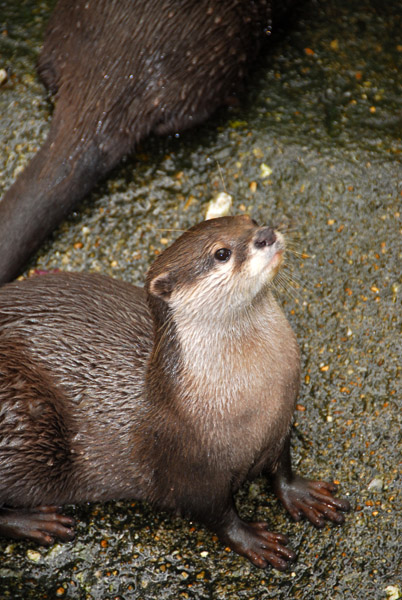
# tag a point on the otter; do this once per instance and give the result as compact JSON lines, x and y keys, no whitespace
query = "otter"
{"x":174,"y":394}
{"x":120,"y":71}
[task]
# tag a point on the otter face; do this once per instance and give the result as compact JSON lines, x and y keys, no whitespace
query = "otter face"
{"x":221,"y":263}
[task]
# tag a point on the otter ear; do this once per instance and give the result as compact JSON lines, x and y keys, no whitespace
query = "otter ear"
{"x":162,"y":285}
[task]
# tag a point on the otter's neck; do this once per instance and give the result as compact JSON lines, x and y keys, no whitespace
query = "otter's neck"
{"x":225,"y":379}
{"x":217,"y":348}
{"x":217,"y":356}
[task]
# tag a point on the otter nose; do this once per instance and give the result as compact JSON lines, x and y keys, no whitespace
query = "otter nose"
{"x":265,"y":237}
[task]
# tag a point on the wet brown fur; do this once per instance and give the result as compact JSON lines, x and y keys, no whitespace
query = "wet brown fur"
{"x":120,"y":71}
{"x":174,"y":394}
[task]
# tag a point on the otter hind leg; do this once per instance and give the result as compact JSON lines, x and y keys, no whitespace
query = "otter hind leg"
{"x":42,"y":524}
{"x":36,"y":459}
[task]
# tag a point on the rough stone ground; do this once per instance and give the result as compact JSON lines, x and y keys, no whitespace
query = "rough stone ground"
{"x":323,"y":112}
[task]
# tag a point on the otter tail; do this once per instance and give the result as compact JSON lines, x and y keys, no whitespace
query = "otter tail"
{"x":59,"y":175}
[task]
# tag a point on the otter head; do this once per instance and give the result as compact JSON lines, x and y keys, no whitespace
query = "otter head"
{"x":216,"y":268}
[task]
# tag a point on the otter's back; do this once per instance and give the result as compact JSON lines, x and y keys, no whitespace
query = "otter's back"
{"x":73,"y":353}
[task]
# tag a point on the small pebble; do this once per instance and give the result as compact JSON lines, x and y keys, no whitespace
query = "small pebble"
{"x":375,"y":484}
{"x":219,"y":206}
{"x":393,"y":592}
{"x":265,"y":171}
{"x":34,"y":555}
{"x":3,"y":76}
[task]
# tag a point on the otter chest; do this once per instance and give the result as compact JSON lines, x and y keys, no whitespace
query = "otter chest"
{"x":241,"y":384}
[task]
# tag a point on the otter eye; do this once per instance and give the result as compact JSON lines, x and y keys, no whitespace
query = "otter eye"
{"x":223,"y":254}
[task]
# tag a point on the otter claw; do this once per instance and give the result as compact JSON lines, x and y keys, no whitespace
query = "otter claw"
{"x":313,"y":499}
{"x":41,"y":524}
{"x":260,"y":546}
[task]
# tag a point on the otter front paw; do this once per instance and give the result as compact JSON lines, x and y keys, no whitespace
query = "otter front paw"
{"x":42,"y":524}
{"x":313,"y":499}
{"x":260,"y":546}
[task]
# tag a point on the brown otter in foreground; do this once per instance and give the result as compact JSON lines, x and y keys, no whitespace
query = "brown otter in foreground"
{"x":121,"y":71}
{"x":175,"y":395}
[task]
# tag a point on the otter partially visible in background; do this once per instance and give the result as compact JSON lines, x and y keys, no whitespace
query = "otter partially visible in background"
{"x":175,"y":394}
{"x":120,"y":71}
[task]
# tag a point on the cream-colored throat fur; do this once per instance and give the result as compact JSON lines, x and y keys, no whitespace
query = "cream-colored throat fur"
{"x":239,"y":362}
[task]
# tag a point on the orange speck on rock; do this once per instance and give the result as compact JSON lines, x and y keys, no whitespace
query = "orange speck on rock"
{"x":309,"y":51}
{"x":189,"y":201}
